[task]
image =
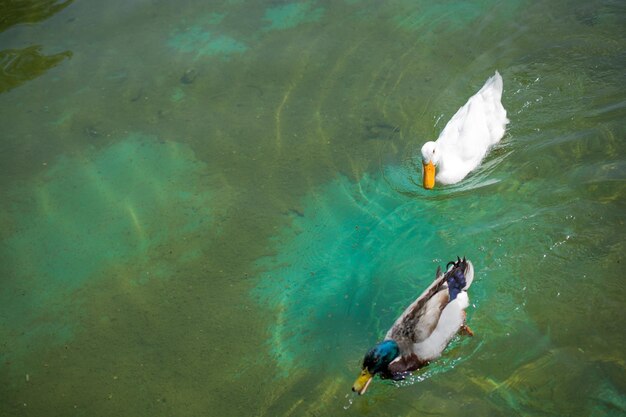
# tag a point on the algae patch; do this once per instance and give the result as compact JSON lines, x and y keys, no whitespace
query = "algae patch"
{"x":201,"y":42}
{"x":292,"y":14}
{"x":88,"y":214}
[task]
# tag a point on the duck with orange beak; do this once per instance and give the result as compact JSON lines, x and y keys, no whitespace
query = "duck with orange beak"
{"x":424,"y":330}
{"x":467,"y":137}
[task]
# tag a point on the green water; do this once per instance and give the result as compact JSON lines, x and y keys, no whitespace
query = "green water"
{"x":214,"y":208}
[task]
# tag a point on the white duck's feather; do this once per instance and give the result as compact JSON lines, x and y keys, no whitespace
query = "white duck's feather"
{"x":467,"y":137}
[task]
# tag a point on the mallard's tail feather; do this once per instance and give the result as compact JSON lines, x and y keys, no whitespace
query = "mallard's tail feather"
{"x":459,"y":276}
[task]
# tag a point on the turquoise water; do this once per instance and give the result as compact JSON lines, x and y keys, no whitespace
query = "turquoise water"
{"x":217,"y":209}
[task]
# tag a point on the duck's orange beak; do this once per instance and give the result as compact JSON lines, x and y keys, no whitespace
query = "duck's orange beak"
{"x":362,"y":382}
{"x":429,"y":175}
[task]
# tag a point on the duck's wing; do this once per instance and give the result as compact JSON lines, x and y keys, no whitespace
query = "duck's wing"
{"x":420,"y":319}
{"x":495,"y":113}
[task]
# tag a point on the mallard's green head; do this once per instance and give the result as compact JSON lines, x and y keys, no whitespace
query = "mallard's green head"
{"x":375,"y":361}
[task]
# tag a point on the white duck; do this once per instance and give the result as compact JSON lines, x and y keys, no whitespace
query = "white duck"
{"x":467,"y":137}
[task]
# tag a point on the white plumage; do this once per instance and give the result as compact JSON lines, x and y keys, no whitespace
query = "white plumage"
{"x":433,"y":319}
{"x":424,"y":329}
{"x":451,"y":319}
{"x":467,"y":137}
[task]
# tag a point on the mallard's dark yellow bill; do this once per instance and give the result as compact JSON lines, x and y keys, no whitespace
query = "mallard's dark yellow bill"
{"x":362,"y":382}
{"x":429,"y":175}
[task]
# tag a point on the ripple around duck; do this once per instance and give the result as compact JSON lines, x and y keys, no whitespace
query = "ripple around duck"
{"x":406,"y":177}
{"x":359,"y":253}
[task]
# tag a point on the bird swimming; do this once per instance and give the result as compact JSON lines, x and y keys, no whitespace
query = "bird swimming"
{"x":467,"y":137}
{"x":424,"y":330}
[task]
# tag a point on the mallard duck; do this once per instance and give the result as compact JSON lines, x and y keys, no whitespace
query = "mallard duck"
{"x":424,"y":330}
{"x":467,"y":137}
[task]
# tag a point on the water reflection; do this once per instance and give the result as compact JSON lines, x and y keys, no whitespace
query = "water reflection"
{"x":21,"y":65}
{"x":14,"y":12}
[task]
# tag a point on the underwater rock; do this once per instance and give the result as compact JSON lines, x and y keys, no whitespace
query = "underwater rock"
{"x":189,"y":76}
{"x":138,"y":94}
{"x":92,"y":131}
{"x":380,"y":130}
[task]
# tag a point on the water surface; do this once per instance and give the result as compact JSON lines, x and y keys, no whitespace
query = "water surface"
{"x":215,"y":209}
